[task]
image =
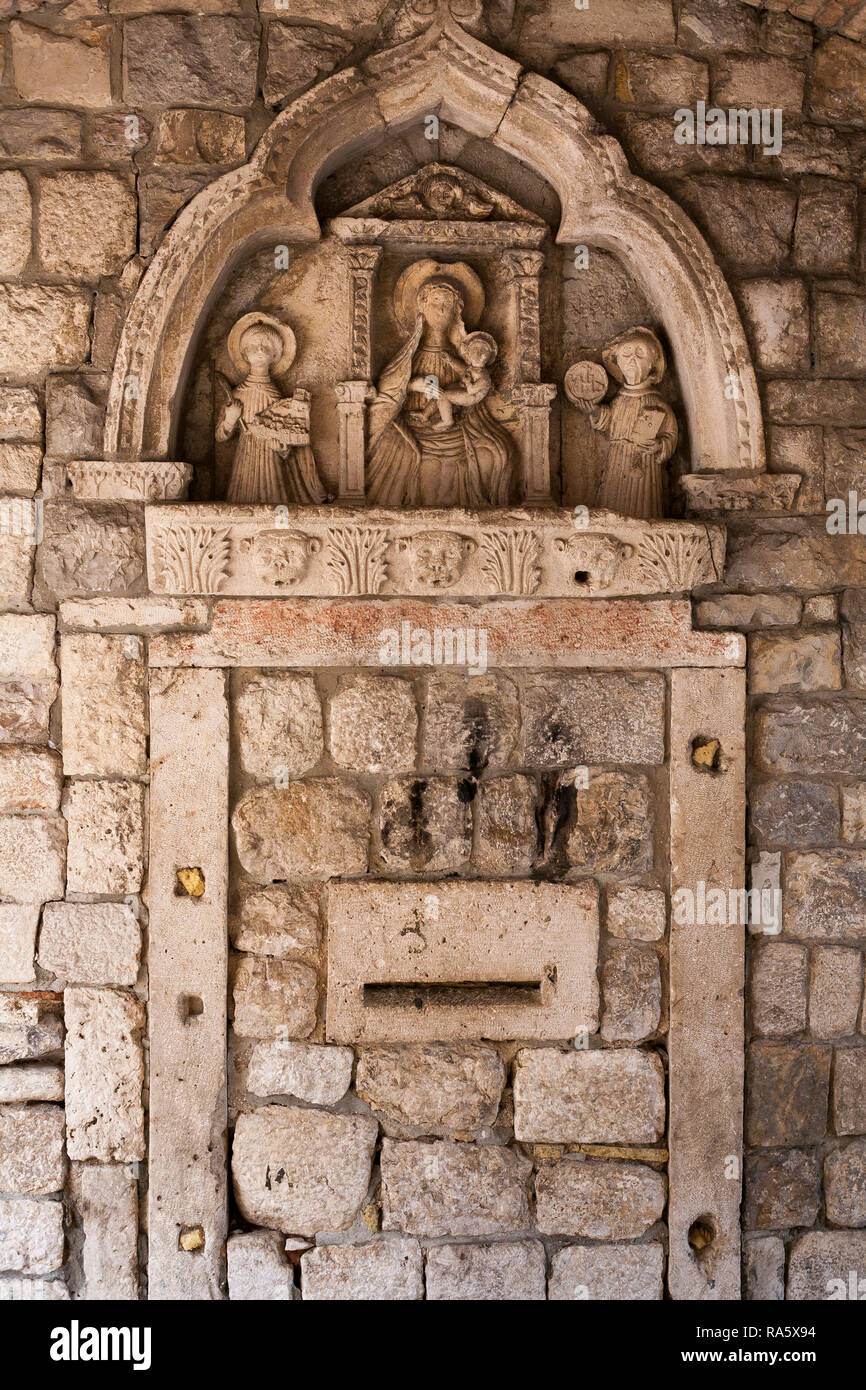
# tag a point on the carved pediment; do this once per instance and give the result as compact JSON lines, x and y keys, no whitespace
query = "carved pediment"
{"x":441,"y":192}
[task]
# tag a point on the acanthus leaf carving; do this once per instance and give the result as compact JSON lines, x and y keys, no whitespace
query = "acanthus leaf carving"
{"x":678,"y":560}
{"x":356,"y":557}
{"x":509,"y":559}
{"x":194,"y":559}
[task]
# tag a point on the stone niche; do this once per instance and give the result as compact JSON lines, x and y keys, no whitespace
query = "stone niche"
{"x":430,"y":764}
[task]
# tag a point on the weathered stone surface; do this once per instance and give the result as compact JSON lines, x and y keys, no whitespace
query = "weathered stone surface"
{"x":30,"y":1081}
{"x":281,"y":920}
{"x":585,"y":74}
{"x":373,"y":724}
{"x":507,"y":836}
{"x":837,"y":403}
{"x":849,"y":1091}
{"x":825,"y":233}
{"x":104,"y":1073}
{"x":640,"y":914}
{"x":16,"y":551}
{"x":584,"y":719}
{"x":139,"y":614}
{"x":20,"y":467}
{"x":821,"y":1262}
{"x":854,"y":813}
{"x":759,"y":81}
{"x":617,"y":22}
{"x":710,"y":25}
{"x":825,"y":895}
{"x":314,"y":829}
{"x":87,"y":550}
{"x":446,"y":1189}
{"x":470,"y":724}
{"x":18,"y":943}
{"x":302,"y":1171}
{"x":90,"y":943}
{"x":425,"y":823}
{"x":777,"y":989}
{"x":297,"y":57}
{"x":845,"y":462}
{"x":812,"y":736}
{"x":845,"y":1184}
{"x":610,"y":830}
{"x":595,"y":1097}
{"x":782,"y":1188}
{"x":172,"y":59}
{"x":777,"y":318}
{"x":104,"y":719}
{"x":32,"y":1156}
{"x":724,"y":209}
{"x":15,"y":218}
{"x":799,"y":449}
{"x":258,"y":1269}
{"x":75,"y":415}
{"x":26,"y":646}
{"x":835,"y":986}
{"x":791,"y":813}
{"x":87,"y":223}
{"x":432,"y":1086}
{"x":161,"y":196}
{"x":274,"y":998}
{"x":20,"y":415}
{"x":31,"y":1235}
{"x":786,"y":1094}
{"x":200,"y":137}
{"x":764,"y":1269}
{"x":318,"y":1075}
{"x":25,"y":707}
{"x":504,"y":1271}
{"x":821,"y":608}
{"x":604,"y":1201}
{"x":839,"y":329}
{"x":32,"y":858}
{"x":632,"y":990}
{"x":34,"y":1290}
{"x":607,"y":1272}
{"x":106,"y":837}
{"x":382,"y":1270}
{"x":72,"y":70}
{"x":654,"y":81}
{"x":279,"y":721}
{"x":42,"y":326}
{"x":27,"y":1029}
{"x":37,"y":134}
{"x":837,"y":90}
{"x":108,"y":1203}
{"x":30,"y":779}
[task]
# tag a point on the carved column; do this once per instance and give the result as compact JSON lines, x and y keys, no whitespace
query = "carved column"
{"x":531,"y":396}
{"x":353,"y":394}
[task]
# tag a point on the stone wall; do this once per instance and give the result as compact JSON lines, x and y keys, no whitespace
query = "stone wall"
{"x":112,"y":116}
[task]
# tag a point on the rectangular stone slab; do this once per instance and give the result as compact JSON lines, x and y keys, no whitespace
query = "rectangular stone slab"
{"x":417,"y":962}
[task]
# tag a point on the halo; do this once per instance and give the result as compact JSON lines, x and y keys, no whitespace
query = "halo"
{"x":460,"y":276}
{"x":247,"y":321}
{"x":647,"y":336}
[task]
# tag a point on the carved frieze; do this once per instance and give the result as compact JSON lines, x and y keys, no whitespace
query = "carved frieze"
{"x":116,"y":480}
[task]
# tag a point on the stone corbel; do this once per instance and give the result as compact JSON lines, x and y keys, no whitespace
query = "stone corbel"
{"x":531,"y":396}
{"x":352,"y":398}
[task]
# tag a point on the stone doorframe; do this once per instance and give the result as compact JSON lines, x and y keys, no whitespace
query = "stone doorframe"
{"x":188,"y":1169}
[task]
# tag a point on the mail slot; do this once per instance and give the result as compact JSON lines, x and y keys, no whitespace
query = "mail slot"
{"x":419,"y":962}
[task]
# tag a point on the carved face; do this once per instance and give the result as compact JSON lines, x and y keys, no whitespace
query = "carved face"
{"x":283,"y":556}
{"x":438,"y":557}
{"x":634,"y":360}
{"x":438,"y":305}
{"x":261,"y":347}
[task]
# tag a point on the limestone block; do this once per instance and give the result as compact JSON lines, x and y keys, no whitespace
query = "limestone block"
{"x":432,"y":1086}
{"x":845,"y":1184}
{"x":27,"y":646}
{"x":595,"y":1097}
{"x":15,"y":219}
{"x":845,"y":462}
{"x":604,"y":1201}
{"x":469,"y":724}
{"x":30,"y":1081}
{"x":42,"y":326}
{"x":87,"y":223}
{"x":258,"y":1269}
{"x":837,"y":403}
{"x":782,"y":1189}
{"x":827,"y":1265}
{"x":20,"y":467}
{"x":849,"y":1091}
{"x":274,"y":998}
{"x":854,"y":813}
{"x":611,"y":1272}
{"x":838,"y":87}
{"x":764,"y":1269}
{"x":710,"y":25}
{"x":447,"y":1189}
{"x":351,"y":16}
{"x":839,"y":329}
{"x":104,"y":720}
{"x":32,"y":858}
{"x":27,"y":1029}
{"x":32,"y":1156}
{"x":302,"y":1171}
{"x":31,"y":1235}
{"x":750,"y":227}
{"x":425,"y":824}
{"x":20,"y":415}
{"x":200,"y":137}
{"x":835,"y":986}
{"x":73,"y":70}
{"x":615,"y":23}
{"x":777,"y":319}
{"x":171,"y":58}
{"x":811,"y":736}
{"x":632,"y":991}
{"x":758,"y":81}
{"x":373,"y":724}
{"x":297,"y":57}
{"x":507,"y":1270}
{"x":308,"y":830}
{"x":30,"y":779}
{"x":640,"y":914}
{"x":25,"y":707}
{"x":104,"y":1073}
{"x":777,"y":989}
{"x":75,"y":414}
{"x":748,"y":610}
{"x":389,"y":1270}
{"x":90,"y":550}
{"x":825,"y":233}
{"x":312,"y":1073}
{"x":581,"y":719}
{"x":281,"y":920}
{"x":34,"y":1290}
{"x":279,"y":720}
{"x":108,"y":1204}
{"x":106,"y":837}
{"x":16,"y":555}
{"x":789,"y":813}
{"x":654,"y":81}
{"x":90,"y":943}
{"x":507,"y":834}
{"x":37,"y":134}
{"x":611,"y":828}
{"x":825,"y":895}
{"x":787,"y":1094}
{"x":18,"y":943}
{"x":142,"y":614}
{"x":584,"y":74}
